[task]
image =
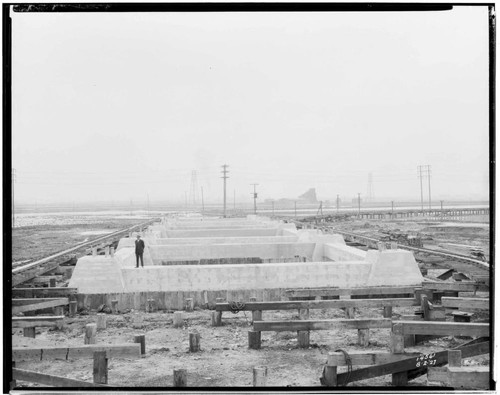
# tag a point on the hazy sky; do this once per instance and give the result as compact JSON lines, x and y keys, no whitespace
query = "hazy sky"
{"x":117,"y":106}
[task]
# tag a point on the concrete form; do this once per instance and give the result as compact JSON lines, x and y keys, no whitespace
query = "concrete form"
{"x":325,"y":261}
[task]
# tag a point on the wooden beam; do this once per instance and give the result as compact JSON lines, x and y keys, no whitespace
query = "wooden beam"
{"x":466,"y":304}
{"x":28,"y":301}
{"x":350,"y":291}
{"x":125,"y":350}
{"x":311,"y":325}
{"x":50,"y":380}
{"x":462,"y":286}
{"x":40,"y":306}
{"x":444,"y":328}
{"x":30,"y":322}
{"x":321,"y":304}
{"x":41,"y":292}
{"x":466,"y":377}
{"x":410,"y":364}
{"x":447,"y":274}
{"x":366,"y":358}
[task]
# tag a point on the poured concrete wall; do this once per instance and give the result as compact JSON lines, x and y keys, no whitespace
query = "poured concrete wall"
{"x":226,"y":240}
{"x":249,"y":276}
{"x":341,"y":252}
{"x":211,"y":251}
{"x":223,"y":232}
{"x":97,"y":274}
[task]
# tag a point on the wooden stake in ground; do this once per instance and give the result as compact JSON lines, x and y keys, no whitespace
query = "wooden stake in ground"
{"x":180,"y":378}
{"x":194,"y":342}
{"x":90,"y":332}
{"x":29,"y":332}
{"x":254,"y":340}
{"x":260,"y":376}
{"x":100,"y":367}
{"x":178,"y":320}
{"x":189,"y":304}
{"x":72,"y":308}
{"x":216,"y":318}
{"x":141,"y":339}
{"x":101,"y":321}
{"x":114,"y":306}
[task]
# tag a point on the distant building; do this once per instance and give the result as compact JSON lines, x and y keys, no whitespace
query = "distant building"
{"x":309,"y":196}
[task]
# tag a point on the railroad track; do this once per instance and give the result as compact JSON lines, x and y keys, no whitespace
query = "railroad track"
{"x":24,"y":273}
{"x":373,"y":242}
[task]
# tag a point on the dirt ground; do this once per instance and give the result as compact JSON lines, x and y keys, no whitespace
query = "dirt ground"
{"x":224,"y":359}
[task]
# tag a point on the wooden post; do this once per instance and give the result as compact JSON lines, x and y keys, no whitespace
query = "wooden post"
{"x":180,"y":378}
{"x":94,"y":251}
{"x":90,"y":332}
{"x":100,"y":367}
{"x":303,"y":336}
{"x":151,"y":306}
{"x":424,"y":305}
{"x":454,"y":358}
{"x":72,"y":308}
{"x":216,"y":318}
{"x":254,"y":340}
{"x":189,"y":304}
{"x":141,"y":339}
{"x":330,"y":377}
{"x":400,"y":378}
{"x":29,"y":332}
{"x":260,"y":376}
{"x":364,"y":337}
{"x":114,"y":306}
{"x":101,"y":321}
{"x":194,"y":342}
{"x":52,"y":282}
{"x":397,"y":339}
{"x":387,"y":311}
{"x":178,"y":320}
{"x":257,"y":314}
{"x":106,"y":251}
{"x":112,"y":252}
{"x":59,"y":310}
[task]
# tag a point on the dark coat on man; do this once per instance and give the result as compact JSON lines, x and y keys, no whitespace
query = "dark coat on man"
{"x":139,"y":246}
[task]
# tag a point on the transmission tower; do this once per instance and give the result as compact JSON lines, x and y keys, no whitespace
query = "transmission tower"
{"x":370,"y":194}
{"x":225,"y":177}
{"x":254,"y":198}
{"x":423,"y":172}
{"x":193,"y":190}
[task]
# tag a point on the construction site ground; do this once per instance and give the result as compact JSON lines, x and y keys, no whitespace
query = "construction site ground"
{"x":225,"y":359}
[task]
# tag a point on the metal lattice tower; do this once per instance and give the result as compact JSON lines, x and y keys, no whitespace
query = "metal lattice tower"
{"x":193,"y":190}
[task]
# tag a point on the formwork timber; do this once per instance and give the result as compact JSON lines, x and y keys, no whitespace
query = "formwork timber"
{"x":32,"y":322}
{"x":312,"y":325}
{"x":444,"y":328}
{"x":42,"y":292}
{"x":50,"y":380}
{"x":360,"y":292}
{"x":125,"y":350}
{"x":24,"y":305}
{"x":466,"y":304}
{"x":318,"y":304}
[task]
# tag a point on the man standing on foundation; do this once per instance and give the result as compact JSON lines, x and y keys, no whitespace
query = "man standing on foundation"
{"x":139,"y":250}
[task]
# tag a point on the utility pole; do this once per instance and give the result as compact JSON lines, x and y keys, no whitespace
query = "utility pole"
{"x":254,"y":198}
{"x":392,"y":208}
{"x":225,"y":177}
{"x":202,"y":202}
{"x":429,"y":176}
{"x":337,"y":204}
{"x":421,"y":188}
{"x":359,"y":204}
{"x":441,"y":204}
{"x":13,"y":182}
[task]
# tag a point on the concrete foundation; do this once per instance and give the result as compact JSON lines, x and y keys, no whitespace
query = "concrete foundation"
{"x":328,"y":261}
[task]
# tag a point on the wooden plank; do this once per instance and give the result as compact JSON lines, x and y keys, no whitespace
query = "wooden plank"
{"x":469,"y":377}
{"x":366,"y":358}
{"x":50,"y":380}
{"x":466,"y":303}
{"x":350,"y":291}
{"x":26,"y":354}
{"x":445,"y":328}
{"x":40,"y":292}
{"x":410,"y":364}
{"x":320,"y":304}
{"x":447,"y":274}
{"x":438,"y":375}
{"x":40,"y":306}
{"x":462,"y":286}
{"x":28,"y":301}
{"x":30,"y":322}
{"x":311,"y":325}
